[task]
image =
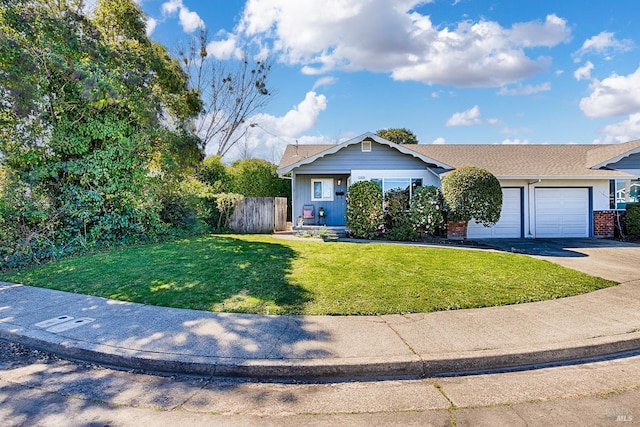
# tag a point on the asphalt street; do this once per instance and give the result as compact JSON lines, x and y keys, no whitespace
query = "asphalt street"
{"x":38,"y":388}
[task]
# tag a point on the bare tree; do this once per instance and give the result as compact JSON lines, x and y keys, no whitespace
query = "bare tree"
{"x":230,"y":94}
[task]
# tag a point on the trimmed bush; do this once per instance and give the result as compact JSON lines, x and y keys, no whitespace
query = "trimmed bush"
{"x":365,"y":218}
{"x":633,"y":219}
{"x":427,"y":210}
{"x":472,"y":193}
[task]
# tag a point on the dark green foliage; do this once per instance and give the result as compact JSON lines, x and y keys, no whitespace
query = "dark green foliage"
{"x":472,"y":193}
{"x":427,"y":210}
{"x":365,"y":218}
{"x":83,"y":109}
{"x":398,"y":135}
{"x":398,"y":225}
{"x":633,"y":219}
{"x":213,"y":172}
{"x":257,"y":178}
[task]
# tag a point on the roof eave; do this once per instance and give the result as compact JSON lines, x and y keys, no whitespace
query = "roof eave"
{"x":616,"y":158}
{"x":356,"y":140}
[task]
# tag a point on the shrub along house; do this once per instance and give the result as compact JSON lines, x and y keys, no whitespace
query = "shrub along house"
{"x":548,"y":190}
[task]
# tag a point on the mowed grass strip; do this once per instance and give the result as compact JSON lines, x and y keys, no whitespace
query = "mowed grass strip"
{"x":260,"y":274}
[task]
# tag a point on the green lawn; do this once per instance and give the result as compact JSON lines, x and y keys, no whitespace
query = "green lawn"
{"x":260,"y":274}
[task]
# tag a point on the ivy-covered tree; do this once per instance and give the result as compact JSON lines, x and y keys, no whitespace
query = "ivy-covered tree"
{"x":398,"y":135}
{"x":84,"y":108}
{"x":472,"y":193}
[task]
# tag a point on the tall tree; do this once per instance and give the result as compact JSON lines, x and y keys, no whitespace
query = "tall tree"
{"x":398,"y":135}
{"x":232,"y":92}
{"x":86,"y":107}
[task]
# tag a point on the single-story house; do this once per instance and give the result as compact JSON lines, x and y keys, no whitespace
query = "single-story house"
{"x":548,"y":190}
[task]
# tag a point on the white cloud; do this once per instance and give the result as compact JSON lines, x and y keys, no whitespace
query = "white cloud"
{"x":525,"y":90}
{"x":391,"y":37}
{"x":302,"y":117}
{"x":583,"y":72}
{"x":270,"y":134}
{"x":189,"y":21}
{"x":626,"y":130}
{"x":470,"y":117}
{"x":439,"y":141}
{"x":515,"y":142}
{"x":604,"y":44}
{"x":171,"y":7}
{"x":150,"y":26}
{"x":225,"y":48}
{"x":614,"y":96}
{"x":324,"y":81}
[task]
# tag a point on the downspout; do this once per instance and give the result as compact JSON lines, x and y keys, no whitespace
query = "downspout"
{"x":531,"y":197}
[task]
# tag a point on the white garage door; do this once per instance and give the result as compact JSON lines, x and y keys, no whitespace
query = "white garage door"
{"x":562,"y":212}
{"x":510,"y":221}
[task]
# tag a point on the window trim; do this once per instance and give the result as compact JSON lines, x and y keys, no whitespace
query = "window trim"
{"x":366,"y":146}
{"x":328,"y":192}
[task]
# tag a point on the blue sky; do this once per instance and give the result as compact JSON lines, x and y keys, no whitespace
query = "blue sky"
{"x":452,"y":71}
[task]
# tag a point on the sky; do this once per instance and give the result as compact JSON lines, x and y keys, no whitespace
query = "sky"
{"x":451,"y":71}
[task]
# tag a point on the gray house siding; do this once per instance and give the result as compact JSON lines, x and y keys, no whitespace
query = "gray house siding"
{"x":629,"y":164}
{"x":339,"y":165}
{"x":381,"y":157}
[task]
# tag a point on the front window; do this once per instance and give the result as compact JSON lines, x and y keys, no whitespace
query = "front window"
{"x":322,"y":190}
{"x":407,"y":186}
{"x":626,"y":191}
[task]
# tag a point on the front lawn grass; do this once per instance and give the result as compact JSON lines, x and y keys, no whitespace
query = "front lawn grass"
{"x":260,"y":274}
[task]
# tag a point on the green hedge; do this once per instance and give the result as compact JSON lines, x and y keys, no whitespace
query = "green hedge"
{"x":633,"y":219}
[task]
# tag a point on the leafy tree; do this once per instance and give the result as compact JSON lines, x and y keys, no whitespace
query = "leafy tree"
{"x":214,"y":172}
{"x":365,"y":217}
{"x":231,"y":94}
{"x":473,"y":193}
{"x":398,"y":135}
{"x":83,"y":113}
{"x":257,"y":178}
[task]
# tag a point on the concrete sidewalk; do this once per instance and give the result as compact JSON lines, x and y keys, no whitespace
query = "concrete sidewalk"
{"x":129,"y":335}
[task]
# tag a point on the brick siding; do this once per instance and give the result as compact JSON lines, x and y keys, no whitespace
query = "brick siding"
{"x":457,"y":230}
{"x":604,"y":223}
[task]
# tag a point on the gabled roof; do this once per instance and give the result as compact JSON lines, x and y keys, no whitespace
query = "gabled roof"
{"x":299,"y":155}
{"x":504,"y":161}
{"x":603,"y":155}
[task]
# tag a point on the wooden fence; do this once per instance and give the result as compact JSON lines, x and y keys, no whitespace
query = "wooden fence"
{"x":259,"y":215}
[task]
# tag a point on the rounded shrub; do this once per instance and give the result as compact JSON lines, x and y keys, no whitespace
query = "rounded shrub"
{"x":633,"y":219}
{"x":365,"y":218}
{"x":472,"y":193}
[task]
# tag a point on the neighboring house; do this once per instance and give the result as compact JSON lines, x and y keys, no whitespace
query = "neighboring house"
{"x":548,"y":190}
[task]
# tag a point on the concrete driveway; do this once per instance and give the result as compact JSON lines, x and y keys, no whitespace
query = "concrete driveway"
{"x":609,"y":259}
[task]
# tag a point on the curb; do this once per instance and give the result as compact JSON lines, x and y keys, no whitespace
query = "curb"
{"x":414,"y":367}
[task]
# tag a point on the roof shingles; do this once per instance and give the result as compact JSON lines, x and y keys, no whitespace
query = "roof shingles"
{"x":505,"y":161}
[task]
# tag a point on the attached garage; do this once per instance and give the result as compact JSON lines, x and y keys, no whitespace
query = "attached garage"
{"x":510,"y":224}
{"x":562,"y":212}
